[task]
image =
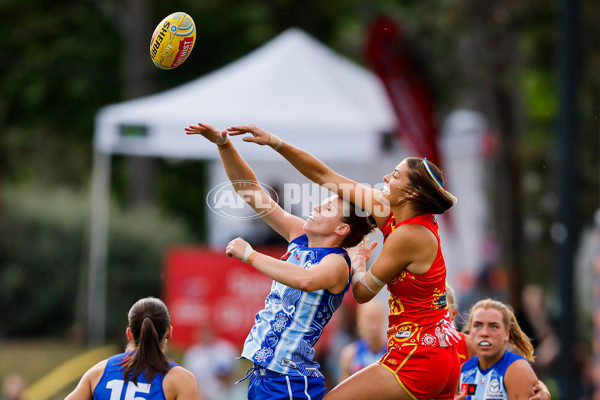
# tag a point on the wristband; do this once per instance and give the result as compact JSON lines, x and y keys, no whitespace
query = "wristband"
{"x":251,"y":258}
{"x":275,"y":142}
{"x":377,"y":281}
{"x":249,"y":250}
{"x":362,"y":278}
{"x":223,"y":140}
{"x":357,"y":277}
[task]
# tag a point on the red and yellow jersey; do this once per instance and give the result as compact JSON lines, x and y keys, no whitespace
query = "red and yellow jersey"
{"x":461,"y":348}
{"x":418,"y":309}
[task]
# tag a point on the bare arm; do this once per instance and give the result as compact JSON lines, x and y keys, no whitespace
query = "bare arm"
{"x":409,"y":246}
{"x":247,"y":186}
{"x":519,"y":380}
{"x":330,"y":273}
{"x":315,"y":170}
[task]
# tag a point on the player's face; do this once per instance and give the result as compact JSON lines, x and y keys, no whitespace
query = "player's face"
{"x":489,"y":335}
{"x":326,"y":217}
{"x":396,"y":183}
{"x":371,"y":321}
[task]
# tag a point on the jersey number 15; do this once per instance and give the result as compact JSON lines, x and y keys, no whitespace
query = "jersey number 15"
{"x":116,"y":387}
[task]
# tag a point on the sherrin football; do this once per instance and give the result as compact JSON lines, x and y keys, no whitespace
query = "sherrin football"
{"x":173,"y":40}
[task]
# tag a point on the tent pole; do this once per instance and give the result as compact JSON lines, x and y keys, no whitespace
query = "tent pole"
{"x":96,"y":323}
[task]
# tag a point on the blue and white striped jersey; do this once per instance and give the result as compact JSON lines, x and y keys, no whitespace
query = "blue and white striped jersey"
{"x":292,"y":321}
{"x":112,"y":385}
{"x":487,"y":384}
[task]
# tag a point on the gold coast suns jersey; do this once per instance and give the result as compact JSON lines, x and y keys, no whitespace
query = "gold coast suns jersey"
{"x":418,"y":307}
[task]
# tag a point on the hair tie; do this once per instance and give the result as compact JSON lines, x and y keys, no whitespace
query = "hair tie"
{"x":438,"y":182}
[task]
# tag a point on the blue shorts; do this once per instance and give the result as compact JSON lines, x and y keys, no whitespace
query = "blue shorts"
{"x":265,"y":384}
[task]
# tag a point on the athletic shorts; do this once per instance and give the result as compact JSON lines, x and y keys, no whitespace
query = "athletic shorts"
{"x":265,"y":384}
{"x":425,"y":372}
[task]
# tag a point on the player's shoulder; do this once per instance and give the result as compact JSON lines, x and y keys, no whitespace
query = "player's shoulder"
{"x":98,"y":369}
{"x":94,"y":374}
{"x":510,"y":358}
{"x":518,"y":364}
{"x":410,"y":229}
{"x":337,"y":257}
{"x":99,"y":366}
{"x":411,"y":236}
{"x":180,"y":382}
{"x":178,"y":376}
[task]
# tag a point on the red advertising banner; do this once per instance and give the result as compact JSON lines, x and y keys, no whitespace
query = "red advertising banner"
{"x":205,"y":288}
{"x":393,"y":60}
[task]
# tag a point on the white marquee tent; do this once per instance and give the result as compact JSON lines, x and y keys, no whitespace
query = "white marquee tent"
{"x":293,"y":86}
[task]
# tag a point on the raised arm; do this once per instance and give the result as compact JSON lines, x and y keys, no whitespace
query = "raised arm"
{"x":409,"y":246}
{"x":330,"y":273}
{"x":246,"y":184}
{"x":318,"y":172}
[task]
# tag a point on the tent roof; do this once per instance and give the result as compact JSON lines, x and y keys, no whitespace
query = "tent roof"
{"x":293,"y":86}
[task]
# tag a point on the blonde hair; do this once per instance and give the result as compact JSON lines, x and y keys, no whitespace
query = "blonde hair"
{"x":451,"y":298}
{"x":516,"y":337}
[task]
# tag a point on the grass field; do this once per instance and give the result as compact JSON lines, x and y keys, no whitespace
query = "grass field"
{"x":35,"y":359}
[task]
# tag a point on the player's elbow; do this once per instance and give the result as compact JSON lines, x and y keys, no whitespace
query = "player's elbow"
{"x":361,"y":300}
{"x":307,"y":284}
{"x":362,"y":296}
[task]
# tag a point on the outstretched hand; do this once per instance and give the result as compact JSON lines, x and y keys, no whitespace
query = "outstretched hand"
{"x":259,"y":136}
{"x":208,"y":131}
{"x":362,"y":251}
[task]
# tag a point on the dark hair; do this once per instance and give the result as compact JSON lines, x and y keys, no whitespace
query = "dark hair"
{"x":361,"y":224}
{"x":428,"y":197}
{"x":148,"y":321}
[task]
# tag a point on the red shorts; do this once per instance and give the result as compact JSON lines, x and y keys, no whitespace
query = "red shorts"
{"x":425,"y":372}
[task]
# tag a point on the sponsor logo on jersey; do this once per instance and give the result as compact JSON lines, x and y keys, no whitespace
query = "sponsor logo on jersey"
{"x":468,"y":389}
{"x":287,"y":363}
{"x":403,"y":334}
{"x":494,"y":390}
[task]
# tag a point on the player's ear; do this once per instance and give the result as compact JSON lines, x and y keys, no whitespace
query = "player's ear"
{"x":342,"y":229}
{"x":129,"y":334}
{"x":453,"y":313}
{"x":169,"y":333}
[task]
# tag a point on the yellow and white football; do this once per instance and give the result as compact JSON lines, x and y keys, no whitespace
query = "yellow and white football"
{"x":173,"y":40}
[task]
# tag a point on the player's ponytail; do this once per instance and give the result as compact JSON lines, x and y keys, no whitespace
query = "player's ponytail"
{"x":426,"y":188}
{"x":518,"y":339}
{"x":148,"y":321}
